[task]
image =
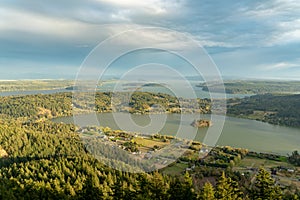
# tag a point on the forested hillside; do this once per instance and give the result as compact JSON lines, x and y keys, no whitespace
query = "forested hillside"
{"x":254,"y":87}
{"x":271,"y":108}
{"x":60,"y":104}
{"x":41,"y":159}
{"x":48,"y":161}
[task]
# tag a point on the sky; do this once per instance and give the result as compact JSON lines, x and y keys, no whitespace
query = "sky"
{"x":245,"y":39}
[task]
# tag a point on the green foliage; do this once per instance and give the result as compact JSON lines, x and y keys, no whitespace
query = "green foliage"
{"x":224,"y":157}
{"x":46,"y":106}
{"x":131,"y":146}
{"x":208,"y":192}
{"x":294,"y":158}
{"x":49,"y":161}
{"x":33,"y":107}
{"x":254,"y":87}
{"x":182,"y":188}
{"x":147,"y":102}
{"x":266,"y":156}
{"x":227,"y":189}
{"x":264,"y":187}
{"x":274,"y":109}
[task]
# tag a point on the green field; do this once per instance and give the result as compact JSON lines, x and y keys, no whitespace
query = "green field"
{"x":284,"y":178}
{"x":257,"y":162}
{"x":147,"y":142}
{"x":175,"y":169}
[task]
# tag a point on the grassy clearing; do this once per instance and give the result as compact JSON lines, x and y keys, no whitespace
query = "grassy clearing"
{"x":257,"y":162}
{"x":283,"y":178}
{"x":149,"y":142}
{"x":175,"y":169}
{"x":144,"y":149}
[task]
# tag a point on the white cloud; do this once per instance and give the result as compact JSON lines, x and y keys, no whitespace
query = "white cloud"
{"x":207,"y":42}
{"x":154,"y":7}
{"x":266,"y":29}
{"x":266,"y":9}
{"x":86,"y":24}
{"x":149,"y":37}
{"x":280,"y":20}
{"x":14,"y":23}
{"x":274,"y":20}
{"x":286,"y":37}
{"x":16,"y":20}
{"x":278,"y":66}
{"x":288,"y":32}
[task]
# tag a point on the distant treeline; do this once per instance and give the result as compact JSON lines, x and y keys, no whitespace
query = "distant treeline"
{"x":21,"y":85}
{"x":274,"y":109}
{"x":253,"y":87}
{"x":60,"y":104}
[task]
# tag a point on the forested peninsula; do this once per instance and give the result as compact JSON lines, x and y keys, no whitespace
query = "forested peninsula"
{"x":275,"y":109}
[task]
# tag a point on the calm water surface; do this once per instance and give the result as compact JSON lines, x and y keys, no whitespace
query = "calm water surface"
{"x":250,"y":134}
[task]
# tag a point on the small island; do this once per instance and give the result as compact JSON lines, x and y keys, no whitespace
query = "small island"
{"x":201,"y":123}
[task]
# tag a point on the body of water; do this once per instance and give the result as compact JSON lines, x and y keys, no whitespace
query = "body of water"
{"x":243,"y":133}
{"x":175,"y":88}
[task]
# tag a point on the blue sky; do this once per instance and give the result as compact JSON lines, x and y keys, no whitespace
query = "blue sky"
{"x":50,"y":39}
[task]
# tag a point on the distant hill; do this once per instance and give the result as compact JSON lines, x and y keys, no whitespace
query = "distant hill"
{"x":274,"y":109}
{"x":253,"y":87}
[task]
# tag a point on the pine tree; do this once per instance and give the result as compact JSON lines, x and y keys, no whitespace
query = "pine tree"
{"x":188,"y":188}
{"x":91,"y":189}
{"x":227,"y":189}
{"x":208,"y":192}
{"x":182,"y":189}
{"x":175,"y":189}
{"x":118,"y":190}
{"x":264,"y":187}
{"x":158,"y":187}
